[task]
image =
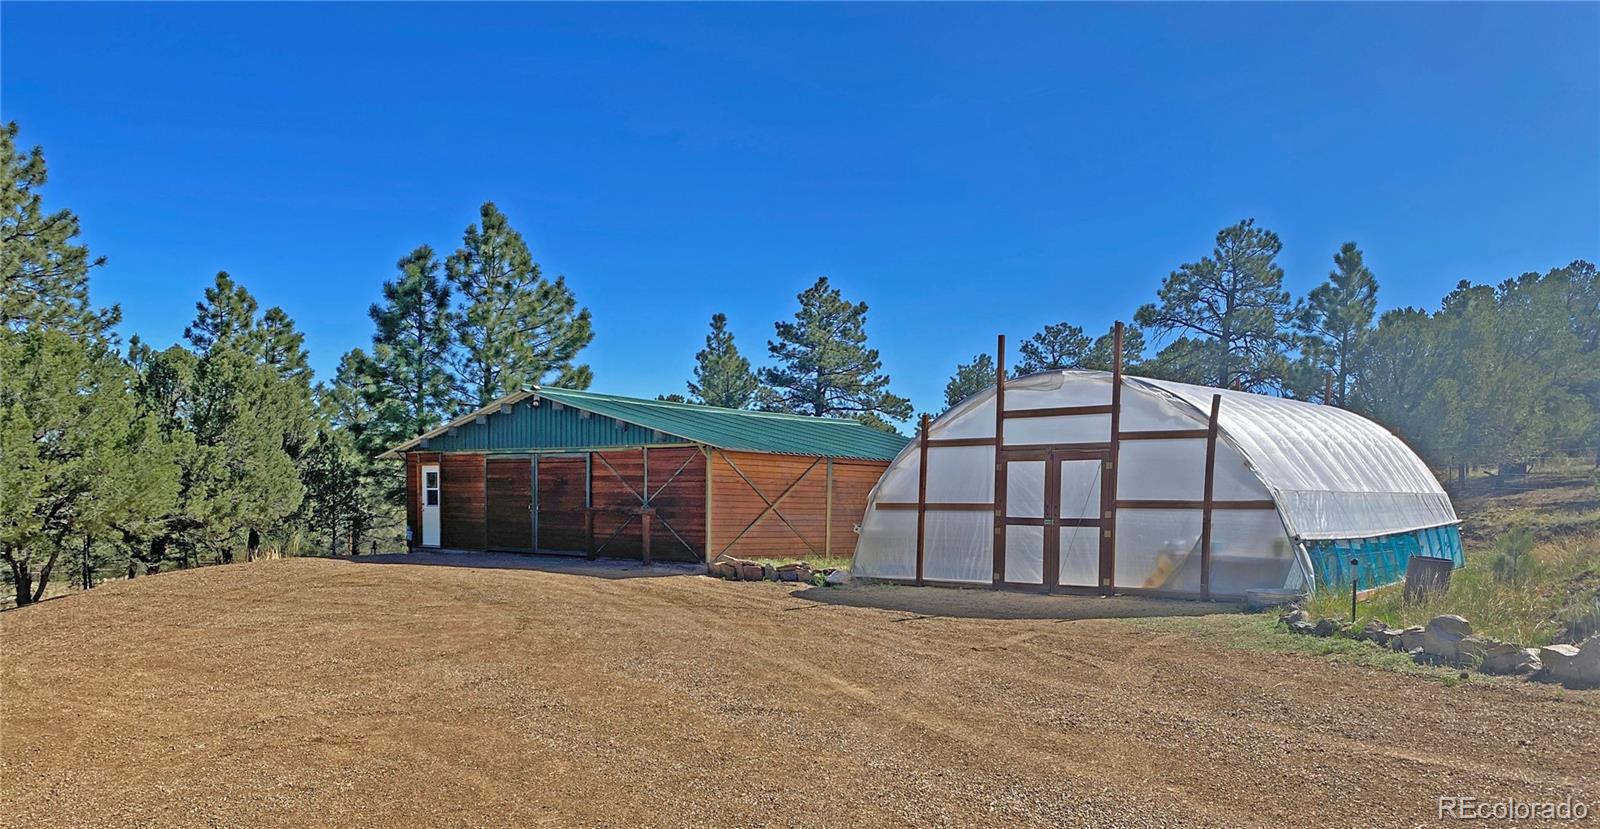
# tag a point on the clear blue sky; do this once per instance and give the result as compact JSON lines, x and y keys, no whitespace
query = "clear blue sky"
{"x":964,"y":169}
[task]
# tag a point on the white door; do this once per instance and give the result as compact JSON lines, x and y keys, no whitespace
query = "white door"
{"x":430,"y":505}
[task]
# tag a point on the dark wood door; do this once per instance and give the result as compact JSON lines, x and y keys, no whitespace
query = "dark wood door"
{"x":562,"y":501}
{"x":509,"y":482}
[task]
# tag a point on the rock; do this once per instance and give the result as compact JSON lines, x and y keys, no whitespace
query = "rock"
{"x":839,"y":577}
{"x":1471,"y":650}
{"x":1327,"y":627}
{"x":1370,"y":631}
{"x":768,"y":572}
{"x":752,"y":572}
{"x":1575,"y":666}
{"x":1509,"y":659}
{"x":1408,"y":639}
{"x":1302,"y":627}
{"x":1292,"y":615}
{"x":1385,"y":636}
{"x":723,"y":569}
{"x":1442,"y":637}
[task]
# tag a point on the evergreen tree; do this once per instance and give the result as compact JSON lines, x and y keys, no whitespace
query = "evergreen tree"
{"x":1331,"y":323}
{"x":969,"y":379}
{"x":824,"y":367}
{"x":79,"y":460}
{"x":1233,"y":299}
{"x":1056,"y":347}
{"x":224,"y":319}
{"x":1099,"y":356}
{"x":411,"y":347}
{"x":722,"y":376}
{"x":44,"y":273}
{"x":515,"y":327}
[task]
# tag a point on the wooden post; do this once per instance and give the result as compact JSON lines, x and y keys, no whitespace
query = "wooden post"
{"x":999,"y":461}
{"x":922,"y":492}
{"x":827,"y":514}
{"x":644,"y":524}
{"x":1327,"y":391}
{"x":1108,"y":490}
{"x":711,"y":456}
{"x":588,"y":531}
{"x":1210,"y":499}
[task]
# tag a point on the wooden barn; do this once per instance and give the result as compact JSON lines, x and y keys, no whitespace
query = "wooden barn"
{"x":560,"y":471}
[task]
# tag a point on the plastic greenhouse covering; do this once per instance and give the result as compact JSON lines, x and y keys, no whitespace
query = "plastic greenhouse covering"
{"x":1299,"y":476}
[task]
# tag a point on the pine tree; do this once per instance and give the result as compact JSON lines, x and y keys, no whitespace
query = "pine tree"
{"x":824,"y":367}
{"x":1331,"y":323}
{"x":515,"y":327}
{"x":969,"y":379}
{"x":225,"y":318}
{"x":44,"y":273}
{"x":722,"y":376}
{"x":411,"y":347}
{"x":79,"y":459}
{"x":1056,"y":347}
{"x":1099,"y":356}
{"x":1233,"y":299}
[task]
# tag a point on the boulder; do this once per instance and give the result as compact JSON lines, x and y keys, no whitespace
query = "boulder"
{"x":1302,"y":627}
{"x":752,"y":572}
{"x":1575,"y":666}
{"x":1471,"y":650}
{"x":1442,"y":637}
{"x":839,"y":577}
{"x":1510,"y":659}
{"x":1370,"y":631}
{"x":723,"y":569}
{"x":1408,"y":639}
{"x":1292,"y":615}
{"x":1327,"y":627}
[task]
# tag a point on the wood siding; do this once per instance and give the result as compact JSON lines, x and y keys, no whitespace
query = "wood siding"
{"x":777,"y":505}
{"x":670,"y":480}
{"x":562,"y":503}
{"x":461,"y":502}
{"x":510,"y":501}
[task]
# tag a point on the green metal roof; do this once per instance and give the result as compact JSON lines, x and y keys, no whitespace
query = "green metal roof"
{"x":733,"y":429}
{"x":737,"y":429}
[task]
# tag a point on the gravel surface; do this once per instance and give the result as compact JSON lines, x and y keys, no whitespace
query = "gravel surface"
{"x":332,"y":693}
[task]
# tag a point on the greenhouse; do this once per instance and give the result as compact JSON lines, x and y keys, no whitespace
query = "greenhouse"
{"x":1109,"y":483}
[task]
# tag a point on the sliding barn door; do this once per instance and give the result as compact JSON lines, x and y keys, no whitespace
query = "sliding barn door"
{"x":510,"y":504}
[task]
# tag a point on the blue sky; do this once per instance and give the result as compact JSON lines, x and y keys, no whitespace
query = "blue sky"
{"x":964,"y":169}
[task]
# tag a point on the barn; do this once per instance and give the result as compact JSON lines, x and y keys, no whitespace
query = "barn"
{"x":548,"y":470}
{"x":1094,"y":482}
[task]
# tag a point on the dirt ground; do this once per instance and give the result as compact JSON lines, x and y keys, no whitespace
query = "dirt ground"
{"x":336,"y":693}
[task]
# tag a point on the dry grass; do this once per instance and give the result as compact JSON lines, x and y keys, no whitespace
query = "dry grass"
{"x":1557,"y":599}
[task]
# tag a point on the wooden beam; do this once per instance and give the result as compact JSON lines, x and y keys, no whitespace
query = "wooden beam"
{"x":1165,"y":434}
{"x":711,"y":457}
{"x":1109,"y":470}
{"x":935,"y":506}
{"x":1180,"y":503}
{"x":1210,"y":499}
{"x":1060,"y":411}
{"x":999,"y":505}
{"x":827,"y":513}
{"x":922,"y":493}
{"x":961,"y":442}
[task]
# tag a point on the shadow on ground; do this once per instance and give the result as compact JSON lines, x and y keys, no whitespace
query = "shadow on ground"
{"x":601,"y":568}
{"x":1001,"y":604}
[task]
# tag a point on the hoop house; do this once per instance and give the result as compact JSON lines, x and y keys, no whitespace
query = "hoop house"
{"x":1150,"y":489}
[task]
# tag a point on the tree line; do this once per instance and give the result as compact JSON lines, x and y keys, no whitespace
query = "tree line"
{"x":128,"y":456}
{"x":1497,"y":374}
{"x":133,"y":457}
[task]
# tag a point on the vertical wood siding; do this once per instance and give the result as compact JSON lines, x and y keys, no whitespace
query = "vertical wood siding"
{"x":461,"y":502}
{"x":562,"y":502}
{"x":509,"y":496}
{"x":743,"y":523}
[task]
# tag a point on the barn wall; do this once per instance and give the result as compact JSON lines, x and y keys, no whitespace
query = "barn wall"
{"x":743,"y":484}
{"x":414,"y":463}
{"x":461,"y":502}
{"x":672,"y":479}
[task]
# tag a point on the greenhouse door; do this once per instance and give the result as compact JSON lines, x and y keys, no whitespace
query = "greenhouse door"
{"x":1072,"y":522}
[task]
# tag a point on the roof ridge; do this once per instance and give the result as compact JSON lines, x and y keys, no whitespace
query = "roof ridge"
{"x":703,"y":407}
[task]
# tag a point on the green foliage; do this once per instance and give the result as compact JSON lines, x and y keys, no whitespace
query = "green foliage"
{"x":1100,"y":355}
{"x":969,"y":379}
{"x":1513,"y":560}
{"x":1233,"y":306}
{"x":411,"y":348}
{"x":824,"y":367}
{"x":1056,"y":347}
{"x":1331,"y":324}
{"x":79,"y":460}
{"x":722,"y":376}
{"x":44,"y":273}
{"x":514,"y":327}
